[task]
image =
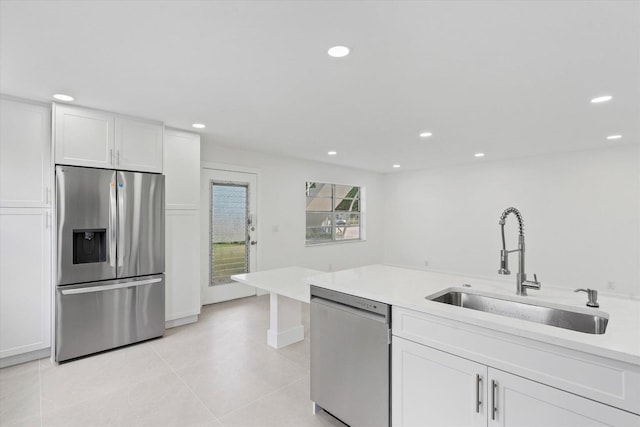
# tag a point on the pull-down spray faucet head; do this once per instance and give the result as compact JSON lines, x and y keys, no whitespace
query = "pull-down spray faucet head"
{"x":504,"y":254}
{"x":504,"y":262}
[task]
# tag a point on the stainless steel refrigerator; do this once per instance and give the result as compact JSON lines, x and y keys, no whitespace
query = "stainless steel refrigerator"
{"x":110,"y":259}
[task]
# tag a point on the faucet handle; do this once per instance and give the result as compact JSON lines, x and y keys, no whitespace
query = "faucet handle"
{"x":592,"y":294}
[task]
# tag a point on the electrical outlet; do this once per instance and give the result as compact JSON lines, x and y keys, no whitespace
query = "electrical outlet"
{"x":611,"y":285}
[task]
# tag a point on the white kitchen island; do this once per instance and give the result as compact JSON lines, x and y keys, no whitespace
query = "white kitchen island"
{"x":289,"y":288}
{"x":456,"y":366}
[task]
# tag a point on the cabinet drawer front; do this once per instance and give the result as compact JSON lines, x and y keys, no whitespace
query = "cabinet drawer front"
{"x":605,"y":380}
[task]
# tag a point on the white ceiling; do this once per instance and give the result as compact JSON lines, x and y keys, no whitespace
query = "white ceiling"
{"x":508,"y":78}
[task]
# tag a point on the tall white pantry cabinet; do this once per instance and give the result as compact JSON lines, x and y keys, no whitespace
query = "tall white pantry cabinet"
{"x":182,"y":216}
{"x":25,"y":230}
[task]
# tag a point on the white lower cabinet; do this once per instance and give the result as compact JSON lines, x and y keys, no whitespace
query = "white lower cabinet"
{"x":182,"y":266}
{"x":522,"y":402}
{"x":25,"y":280}
{"x":434,"y":388}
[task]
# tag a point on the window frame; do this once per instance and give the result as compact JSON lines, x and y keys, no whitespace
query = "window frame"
{"x":334,"y":213}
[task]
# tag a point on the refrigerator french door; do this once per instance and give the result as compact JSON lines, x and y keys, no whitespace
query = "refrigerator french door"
{"x":110,"y":259}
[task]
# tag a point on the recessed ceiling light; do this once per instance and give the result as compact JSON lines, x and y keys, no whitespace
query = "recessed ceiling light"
{"x":332,"y":153}
{"x":425,"y":134}
{"x":479,"y":155}
{"x":614,"y":137}
{"x":601,"y":99}
{"x":338,"y":51}
{"x":198,"y":126}
{"x":396,"y":166}
{"x":63,"y":97}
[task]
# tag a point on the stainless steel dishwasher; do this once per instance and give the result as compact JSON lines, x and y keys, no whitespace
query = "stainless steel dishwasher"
{"x":350,"y":354}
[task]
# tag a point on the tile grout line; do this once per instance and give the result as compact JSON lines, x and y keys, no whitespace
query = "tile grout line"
{"x":187,"y":385}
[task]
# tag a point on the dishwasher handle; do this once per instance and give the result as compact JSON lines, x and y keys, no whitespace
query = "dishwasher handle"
{"x":349,"y":309}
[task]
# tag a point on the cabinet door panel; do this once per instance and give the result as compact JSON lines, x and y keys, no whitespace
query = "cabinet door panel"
{"x":182,"y":169}
{"x":25,"y":154}
{"x":521,"y":402}
{"x":182,"y":263}
{"x":138,"y":145}
{"x":433,"y":388}
{"x":84,"y":137}
{"x":25,"y":280}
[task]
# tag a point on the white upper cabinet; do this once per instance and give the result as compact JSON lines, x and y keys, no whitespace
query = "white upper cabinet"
{"x":138,"y":145}
{"x":85,"y":137}
{"x":182,"y":169}
{"x":25,"y":154}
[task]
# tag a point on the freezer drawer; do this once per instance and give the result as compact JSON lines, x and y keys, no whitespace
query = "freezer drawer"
{"x":102,"y":315}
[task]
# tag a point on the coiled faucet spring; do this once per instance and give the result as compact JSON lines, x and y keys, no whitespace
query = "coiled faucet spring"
{"x":518,"y":215}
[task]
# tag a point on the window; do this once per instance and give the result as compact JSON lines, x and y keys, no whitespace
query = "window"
{"x":333,"y":212}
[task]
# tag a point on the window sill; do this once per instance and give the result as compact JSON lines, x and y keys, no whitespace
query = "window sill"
{"x":334,"y":242}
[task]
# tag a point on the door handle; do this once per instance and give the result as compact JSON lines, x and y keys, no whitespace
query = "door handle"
{"x":253,"y":242}
{"x":121,"y":219}
{"x":478,"y":399}
{"x":494,"y":406}
{"x":112,"y":222}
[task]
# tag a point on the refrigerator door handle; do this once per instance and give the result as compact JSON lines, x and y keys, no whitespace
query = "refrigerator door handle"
{"x":112,"y":222}
{"x":121,"y":219}
{"x":91,"y":289}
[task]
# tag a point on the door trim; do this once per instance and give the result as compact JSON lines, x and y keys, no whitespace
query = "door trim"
{"x":225,"y":167}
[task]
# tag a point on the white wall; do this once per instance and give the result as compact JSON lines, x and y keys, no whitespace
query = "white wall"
{"x":581,"y":213}
{"x":282,"y":205}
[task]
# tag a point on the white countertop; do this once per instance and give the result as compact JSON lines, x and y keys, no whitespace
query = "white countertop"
{"x":291,"y":282}
{"x":407,"y":288}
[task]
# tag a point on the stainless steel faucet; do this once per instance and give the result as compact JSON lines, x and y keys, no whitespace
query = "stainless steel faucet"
{"x":522,"y":284}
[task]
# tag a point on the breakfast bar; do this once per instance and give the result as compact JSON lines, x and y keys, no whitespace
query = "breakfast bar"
{"x":289,"y":289}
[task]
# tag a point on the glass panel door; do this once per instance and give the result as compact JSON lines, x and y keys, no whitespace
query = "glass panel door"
{"x":229,"y":232}
{"x":229,"y":238}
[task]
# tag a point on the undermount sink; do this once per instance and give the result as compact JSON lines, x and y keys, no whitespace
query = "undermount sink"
{"x":589,"y":321}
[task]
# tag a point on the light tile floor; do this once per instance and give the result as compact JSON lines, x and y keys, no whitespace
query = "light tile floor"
{"x":217,"y":372}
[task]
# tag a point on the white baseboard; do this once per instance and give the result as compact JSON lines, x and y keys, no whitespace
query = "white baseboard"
{"x":284,"y":338}
{"x":26,"y":357}
{"x":181,"y":321}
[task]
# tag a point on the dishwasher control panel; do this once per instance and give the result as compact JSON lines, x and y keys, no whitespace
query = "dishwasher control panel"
{"x":352,"y":300}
